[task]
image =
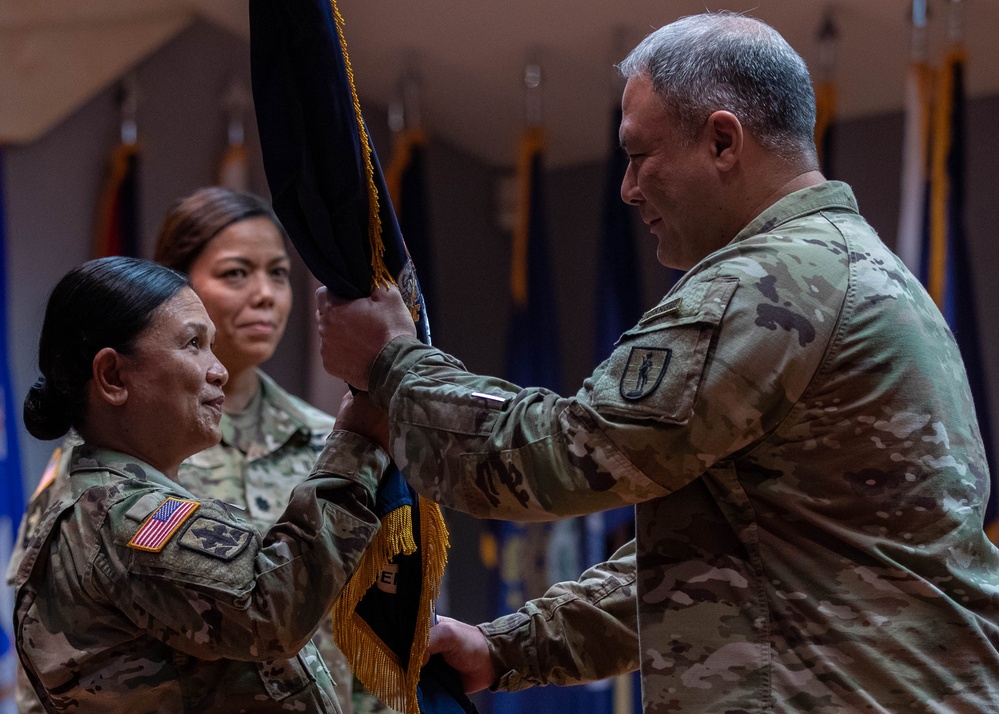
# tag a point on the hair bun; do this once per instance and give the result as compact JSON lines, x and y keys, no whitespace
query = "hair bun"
{"x":46,"y":413}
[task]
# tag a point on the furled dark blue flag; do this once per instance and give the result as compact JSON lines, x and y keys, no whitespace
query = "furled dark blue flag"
{"x":117,"y":226}
{"x":329,"y":192}
{"x":12,"y":494}
{"x":946,"y":266}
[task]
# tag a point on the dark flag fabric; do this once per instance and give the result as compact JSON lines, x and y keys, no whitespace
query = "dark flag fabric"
{"x":405,"y":177}
{"x":946,"y":262}
{"x":116,"y":230}
{"x":329,"y":191}
{"x":12,"y":499}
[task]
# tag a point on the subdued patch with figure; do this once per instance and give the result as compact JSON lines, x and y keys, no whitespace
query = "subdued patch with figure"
{"x":644,"y":371}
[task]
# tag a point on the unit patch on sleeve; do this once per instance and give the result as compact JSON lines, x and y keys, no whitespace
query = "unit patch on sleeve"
{"x":644,"y":371}
{"x":159,"y":528}
{"x":217,"y":539}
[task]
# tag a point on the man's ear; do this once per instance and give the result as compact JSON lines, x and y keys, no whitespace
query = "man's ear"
{"x":108,"y":382}
{"x":727,"y":139}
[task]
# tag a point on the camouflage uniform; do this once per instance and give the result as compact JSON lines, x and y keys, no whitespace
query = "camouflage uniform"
{"x":218,"y":620}
{"x":808,"y":473}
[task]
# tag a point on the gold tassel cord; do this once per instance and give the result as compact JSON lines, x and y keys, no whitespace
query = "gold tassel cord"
{"x":380,"y":276}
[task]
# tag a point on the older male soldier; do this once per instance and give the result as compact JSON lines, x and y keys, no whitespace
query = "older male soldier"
{"x":803,"y":454}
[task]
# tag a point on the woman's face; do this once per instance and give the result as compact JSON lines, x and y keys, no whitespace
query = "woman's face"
{"x":242,"y":278}
{"x":174,"y":384}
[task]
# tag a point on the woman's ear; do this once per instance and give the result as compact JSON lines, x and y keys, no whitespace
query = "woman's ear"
{"x":108,"y":382}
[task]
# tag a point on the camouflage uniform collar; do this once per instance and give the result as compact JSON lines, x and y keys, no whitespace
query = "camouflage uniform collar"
{"x":282,"y":418}
{"x":829,"y":195}
{"x":89,"y":459}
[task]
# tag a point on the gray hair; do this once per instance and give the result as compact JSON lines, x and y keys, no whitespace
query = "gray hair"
{"x":725,"y":61}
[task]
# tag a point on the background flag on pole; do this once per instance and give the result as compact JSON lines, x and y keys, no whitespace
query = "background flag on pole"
{"x":234,"y":171}
{"x":825,"y":96}
{"x":915,"y":150}
{"x":406,"y":183}
{"x":329,"y":192}
{"x":947,"y":263}
{"x":12,"y":498}
{"x":116,"y":229}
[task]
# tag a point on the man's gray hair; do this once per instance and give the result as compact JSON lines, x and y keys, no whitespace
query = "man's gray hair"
{"x":725,"y":61}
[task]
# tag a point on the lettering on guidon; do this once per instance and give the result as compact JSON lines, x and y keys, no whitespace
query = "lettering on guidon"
{"x":387,"y":579}
{"x":644,"y":371}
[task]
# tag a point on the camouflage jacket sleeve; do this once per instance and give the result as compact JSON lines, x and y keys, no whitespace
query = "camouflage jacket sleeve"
{"x":217,"y":589}
{"x":707,"y":373}
{"x":550,"y":639}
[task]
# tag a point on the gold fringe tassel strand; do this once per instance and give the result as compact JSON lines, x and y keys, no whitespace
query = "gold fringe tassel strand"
{"x":380,"y":276}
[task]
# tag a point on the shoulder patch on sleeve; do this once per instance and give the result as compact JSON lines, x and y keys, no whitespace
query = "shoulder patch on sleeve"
{"x":159,"y":528}
{"x":215,"y":538}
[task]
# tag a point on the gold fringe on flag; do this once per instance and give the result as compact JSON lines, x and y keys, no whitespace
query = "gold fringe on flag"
{"x":380,"y":276}
{"x":378,"y":668}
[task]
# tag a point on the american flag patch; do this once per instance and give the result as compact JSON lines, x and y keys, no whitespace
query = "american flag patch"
{"x":160,"y":527}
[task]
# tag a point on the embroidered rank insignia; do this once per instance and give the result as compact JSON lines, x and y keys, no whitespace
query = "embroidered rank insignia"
{"x":215,"y":538}
{"x":644,"y":371}
{"x":160,"y":527}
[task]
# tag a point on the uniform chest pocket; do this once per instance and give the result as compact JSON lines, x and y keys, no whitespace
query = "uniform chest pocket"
{"x":656,"y":369}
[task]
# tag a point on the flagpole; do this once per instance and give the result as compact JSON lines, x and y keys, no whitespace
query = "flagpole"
{"x":915,"y":148}
{"x":825,"y":91}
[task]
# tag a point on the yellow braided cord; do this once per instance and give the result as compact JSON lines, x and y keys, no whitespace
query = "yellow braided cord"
{"x":380,"y":276}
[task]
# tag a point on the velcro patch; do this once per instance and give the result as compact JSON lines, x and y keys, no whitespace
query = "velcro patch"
{"x":215,"y":538}
{"x":644,"y":371}
{"x":159,"y":528}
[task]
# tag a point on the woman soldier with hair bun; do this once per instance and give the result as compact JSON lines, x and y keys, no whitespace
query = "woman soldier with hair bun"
{"x":134,"y":594}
